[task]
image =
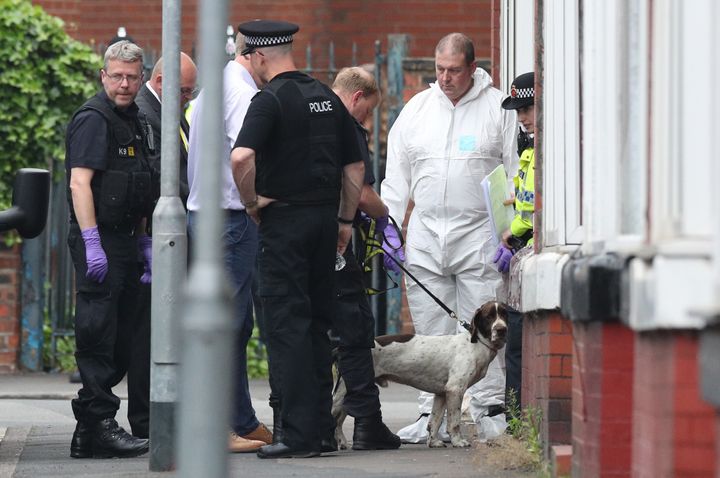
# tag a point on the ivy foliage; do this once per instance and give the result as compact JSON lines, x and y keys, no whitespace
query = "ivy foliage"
{"x":46,"y":76}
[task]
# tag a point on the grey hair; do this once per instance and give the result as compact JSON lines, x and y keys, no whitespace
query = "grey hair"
{"x":124,"y":51}
{"x":239,"y":43}
{"x":457,"y":43}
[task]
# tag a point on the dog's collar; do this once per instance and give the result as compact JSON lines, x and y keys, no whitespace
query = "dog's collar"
{"x":488,"y":344}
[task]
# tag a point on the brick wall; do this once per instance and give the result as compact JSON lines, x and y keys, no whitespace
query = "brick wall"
{"x":652,"y":406}
{"x":694,"y":437}
{"x":547,"y":373}
{"x":602,"y":399}
{"x":495,"y":41}
{"x":9,"y":308}
{"x":342,"y":21}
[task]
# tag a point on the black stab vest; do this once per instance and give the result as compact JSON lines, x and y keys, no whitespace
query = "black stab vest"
{"x":302,"y":163}
{"x":123,"y":192}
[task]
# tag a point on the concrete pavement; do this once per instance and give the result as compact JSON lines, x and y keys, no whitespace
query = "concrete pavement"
{"x":36,"y":424}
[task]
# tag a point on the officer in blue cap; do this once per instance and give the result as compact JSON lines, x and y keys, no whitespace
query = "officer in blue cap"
{"x":298,"y":166}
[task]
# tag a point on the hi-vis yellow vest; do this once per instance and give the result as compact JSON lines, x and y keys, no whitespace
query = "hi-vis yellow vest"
{"x":524,"y":194}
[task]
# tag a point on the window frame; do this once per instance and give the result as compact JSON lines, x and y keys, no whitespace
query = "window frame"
{"x":562,"y":196}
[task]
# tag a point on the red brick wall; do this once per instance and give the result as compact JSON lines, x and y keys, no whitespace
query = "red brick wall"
{"x":320,"y":21}
{"x":495,"y":40}
{"x":9,"y":308}
{"x":602,"y":399}
{"x":694,"y":437}
{"x":674,"y":431}
{"x":653,"y":405}
{"x":547,"y":373}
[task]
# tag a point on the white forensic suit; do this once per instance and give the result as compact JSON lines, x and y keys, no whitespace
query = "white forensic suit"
{"x":437,"y":155}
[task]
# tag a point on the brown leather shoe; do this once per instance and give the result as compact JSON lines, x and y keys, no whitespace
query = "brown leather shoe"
{"x":260,"y":433}
{"x":238,"y":444}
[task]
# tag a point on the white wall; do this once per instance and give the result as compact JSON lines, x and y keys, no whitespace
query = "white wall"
{"x":517,"y":51}
{"x":629,"y":149}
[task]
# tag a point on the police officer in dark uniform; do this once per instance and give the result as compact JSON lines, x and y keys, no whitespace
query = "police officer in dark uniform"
{"x":109,"y":191}
{"x":299,"y":170}
{"x":353,"y":322}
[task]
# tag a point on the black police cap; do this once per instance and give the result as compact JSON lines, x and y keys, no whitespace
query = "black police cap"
{"x":264,"y":33}
{"x":522,"y":92}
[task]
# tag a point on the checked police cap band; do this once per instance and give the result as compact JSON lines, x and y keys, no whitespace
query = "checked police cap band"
{"x":265,"y":33}
{"x":522,"y":92}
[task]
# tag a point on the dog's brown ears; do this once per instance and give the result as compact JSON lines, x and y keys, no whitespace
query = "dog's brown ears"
{"x":482,"y":321}
{"x":473,"y":327}
{"x":476,"y":325}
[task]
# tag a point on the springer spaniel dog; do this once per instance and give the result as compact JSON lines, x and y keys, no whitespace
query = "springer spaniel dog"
{"x":446,"y":365}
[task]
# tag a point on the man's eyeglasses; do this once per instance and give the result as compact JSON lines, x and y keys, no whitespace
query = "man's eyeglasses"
{"x":118,"y":78}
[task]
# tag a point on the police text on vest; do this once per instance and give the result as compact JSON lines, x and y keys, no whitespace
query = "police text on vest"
{"x":320,"y":106}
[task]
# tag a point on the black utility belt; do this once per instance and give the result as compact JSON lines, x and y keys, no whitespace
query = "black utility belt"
{"x":122,"y":228}
{"x":279,"y":204}
{"x":276,"y":204}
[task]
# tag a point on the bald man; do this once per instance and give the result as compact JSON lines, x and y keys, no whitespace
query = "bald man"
{"x":149,"y":100}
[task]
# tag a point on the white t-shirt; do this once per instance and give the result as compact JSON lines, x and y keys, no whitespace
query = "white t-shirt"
{"x":238,"y":89}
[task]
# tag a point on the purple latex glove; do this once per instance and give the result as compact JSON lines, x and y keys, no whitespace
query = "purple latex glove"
{"x":381,"y":223}
{"x":502,"y":258}
{"x":392,"y":247}
{"x":97,"y":263}
{"x":145,"y":247}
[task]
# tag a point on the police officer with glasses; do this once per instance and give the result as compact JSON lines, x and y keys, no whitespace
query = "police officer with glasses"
{"x":109,"y":192}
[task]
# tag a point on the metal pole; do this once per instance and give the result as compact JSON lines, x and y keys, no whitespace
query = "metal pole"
{"x":308,"y":58}
{"x":32,"y":299}
{"x":208,"y":332}
{"x":397,"y":51}
{"x":169,"y":256}
{"x":375,"y":276}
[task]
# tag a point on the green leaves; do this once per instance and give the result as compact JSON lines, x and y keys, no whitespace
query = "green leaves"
{"x":257,"y":365}
{"x":46,"y":76}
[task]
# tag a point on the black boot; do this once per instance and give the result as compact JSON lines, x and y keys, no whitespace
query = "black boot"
{"x":328,"y":445}
{"x":81,"y":444}
{"x":110,"y":440}
{"x":277,"y":425}
{"x":371,"y":433}
{"x":281,"y":450}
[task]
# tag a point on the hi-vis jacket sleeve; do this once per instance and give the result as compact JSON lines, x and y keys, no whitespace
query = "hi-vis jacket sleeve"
{"x":510,"y":159}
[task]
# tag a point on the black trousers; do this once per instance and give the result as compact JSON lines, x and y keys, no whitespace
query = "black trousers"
{"x":354,"y":325}
{"x":138,"y":374}
{"x":105,"y":322}
{"x":513,"y":357}
{"x":296,"y":266}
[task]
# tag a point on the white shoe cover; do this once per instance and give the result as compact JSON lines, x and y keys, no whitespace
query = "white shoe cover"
{"x":417,"y":432}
